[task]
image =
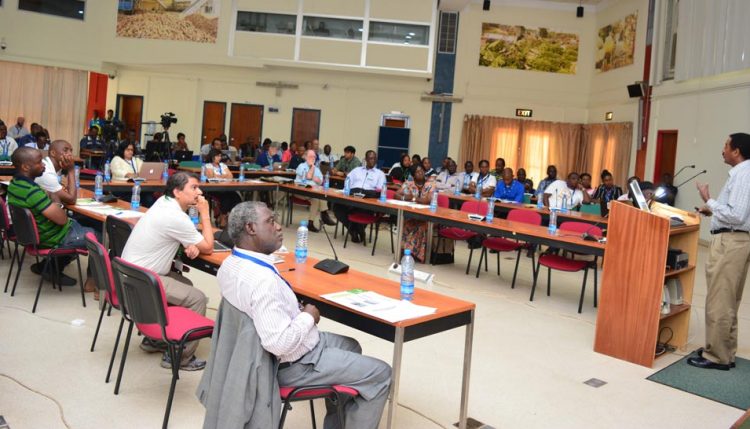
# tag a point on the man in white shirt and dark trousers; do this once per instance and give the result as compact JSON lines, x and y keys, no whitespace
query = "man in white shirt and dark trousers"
{"x":569,"y":190}
{"x":728,"y":257}
{"x":367,"y":179}
{"x":288,"y":329}
{"x":8,"y":144}
{"x":154,"y":243}
{"x":448,"y":179}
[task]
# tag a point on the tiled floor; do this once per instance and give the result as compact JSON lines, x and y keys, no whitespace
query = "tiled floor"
{"x":530,"y":360}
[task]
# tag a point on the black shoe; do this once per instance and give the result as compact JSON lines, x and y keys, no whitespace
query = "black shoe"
{"x":37,"y":268}
{"x":704,"y":363}
{"x":355,"y":236}
{"x":311,"y":227}
{"x":59,"y":279}
{"x":699,"y":352}
{"x":326,"y":218}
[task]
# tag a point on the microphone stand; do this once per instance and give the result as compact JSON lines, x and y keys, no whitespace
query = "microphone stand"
{"x":691,"y":178}
{"x":331,"y":266}
{"x":681,"y":170}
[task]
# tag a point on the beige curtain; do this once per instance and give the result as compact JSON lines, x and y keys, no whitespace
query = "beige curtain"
{"x":606,"y":146}
{"x":487,"y":137}
{"x":53,"y":97}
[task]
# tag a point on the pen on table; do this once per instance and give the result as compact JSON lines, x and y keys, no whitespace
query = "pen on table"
{"x":287,"y":270}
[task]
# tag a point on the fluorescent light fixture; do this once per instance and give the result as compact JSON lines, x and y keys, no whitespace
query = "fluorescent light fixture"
{"x":360,"y":30}
{"x":408,"y":37}
{"x":412,"y":33}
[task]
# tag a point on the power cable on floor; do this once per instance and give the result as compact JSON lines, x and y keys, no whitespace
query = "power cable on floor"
{"x":422,"y":415}
{"x":59,"y":407}
{"x":36,"y":315}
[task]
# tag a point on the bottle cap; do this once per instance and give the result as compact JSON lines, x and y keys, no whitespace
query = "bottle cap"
{"x":407,"y":252}
{"x":303,"y":223}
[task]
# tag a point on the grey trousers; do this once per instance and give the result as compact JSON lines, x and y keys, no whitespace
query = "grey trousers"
{"x":339,"y":360}
{"x":180,"y":292}
{"x":726,"y":271}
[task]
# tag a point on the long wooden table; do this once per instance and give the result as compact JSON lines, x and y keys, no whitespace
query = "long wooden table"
{"x":310,"y":284}
{"x":158,"y":185}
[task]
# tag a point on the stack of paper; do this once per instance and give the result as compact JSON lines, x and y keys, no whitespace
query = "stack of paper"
{"x":376,"y":305}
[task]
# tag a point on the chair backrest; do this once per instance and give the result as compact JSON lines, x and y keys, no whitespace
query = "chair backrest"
{"x":141,"y":293}
{"x":24,"y":224}
{"x":525,"y":216}
{"x":390,"y":194}
{"x":444,"y":201}
{"x":118,"y":231}
{"x":4,"y":216}
{"x":101,"y":268}
{"x":476,"y":207}
{"x":581,"y":228}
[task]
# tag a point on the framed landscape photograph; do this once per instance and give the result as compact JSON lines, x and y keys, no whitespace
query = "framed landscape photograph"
{"x":615,"y":44}
{"x":523,"y":48}
{"x":182,"y":20}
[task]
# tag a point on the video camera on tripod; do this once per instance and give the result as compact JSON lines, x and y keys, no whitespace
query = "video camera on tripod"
{"x":168,"y":119}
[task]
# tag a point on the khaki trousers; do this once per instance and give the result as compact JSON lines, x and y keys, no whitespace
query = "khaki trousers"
{"x":180,"y":292}
{"x":726,"y":271}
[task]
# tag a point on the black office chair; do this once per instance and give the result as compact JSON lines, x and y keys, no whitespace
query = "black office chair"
{"x":118,"y":231}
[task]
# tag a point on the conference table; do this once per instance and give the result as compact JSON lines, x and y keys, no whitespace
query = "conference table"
{"x":210,"y":186}
{"x":310,"y":284}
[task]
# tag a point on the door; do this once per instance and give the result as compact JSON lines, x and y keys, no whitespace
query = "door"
{"x":305,"y":125}
{"x":246,"y":121}
{"x":214,"y":118}
{"x":130,"y":111}
{"x":666,"y":153}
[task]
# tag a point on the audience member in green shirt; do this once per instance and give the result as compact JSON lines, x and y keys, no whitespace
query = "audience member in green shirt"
{"x":347,"y":163}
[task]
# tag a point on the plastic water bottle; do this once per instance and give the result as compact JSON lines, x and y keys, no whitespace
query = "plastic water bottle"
{"x":327,"y":182}
{"x":165,"y":173}
{"x":457,"y":189}
{"x":194,"y":216}
{"x":564,"y":207}
{"x":407,"y":276}
{"x":135,"y":199}
{"x":346,"y":186}
{"x":242,"y":172}
{"x":98,"y":187}
{"x":478,"y":193}
{"x":300,"y":251}
{"x":540,"y":200}
{"x":107,"y":175}
{"x":467,"y":180}
{"x":383,"y":194}
{"x":78,"y":176}
{"x":240,"y":155}
{"x":434,"y":202}
{"x":490,"y":210}
{"x":552,"y":228}
{"x":203,"y":173}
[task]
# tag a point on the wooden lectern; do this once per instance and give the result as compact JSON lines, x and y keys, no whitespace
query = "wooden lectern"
{"x":633,"y":277}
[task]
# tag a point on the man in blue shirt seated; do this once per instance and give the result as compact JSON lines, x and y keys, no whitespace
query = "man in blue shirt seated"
{"x":266,"y":159}
{"x":509,"y":189}
{"x":367,"y":179}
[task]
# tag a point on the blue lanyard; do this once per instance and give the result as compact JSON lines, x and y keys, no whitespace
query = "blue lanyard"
{"x":5,"y":147}
{"x":132,"y":164}
{"x":220,"y":173}
{"x":480,"y":181}
{"x":261,"y":263}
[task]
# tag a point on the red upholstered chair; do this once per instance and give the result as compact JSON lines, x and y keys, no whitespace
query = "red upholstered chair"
{"x":295,"y":201}
{"x":363,"y":219}
{"x":443,"y":200}
{"x":561,"y":263}
{"x":335,"y":393}
{"x":504,"y":245}
{"x":27,"y":235}
{"x":460,"y":234}
{"x":101,"y":269}
{"x":6,"y":230}
{"x":143,"y":299}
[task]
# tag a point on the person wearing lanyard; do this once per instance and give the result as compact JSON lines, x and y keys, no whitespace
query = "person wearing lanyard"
{"x":415,"y":231}
{"x":367,"y":180}
{"x":227,"y":199}
{"x":125,"y":165}
{"x":485,"y":181}
{"x":607,"y":191}
{"x":288,"y":329}
{"x":728,"y":256}
{"x":7,"y":144}
{"x":509,"y":189}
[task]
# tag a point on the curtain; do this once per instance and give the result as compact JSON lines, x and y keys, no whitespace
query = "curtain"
{"x":533,"y":145}
{"x":53,"y":97}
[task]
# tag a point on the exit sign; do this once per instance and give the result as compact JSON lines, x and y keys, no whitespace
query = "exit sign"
{"x":524,"y":113}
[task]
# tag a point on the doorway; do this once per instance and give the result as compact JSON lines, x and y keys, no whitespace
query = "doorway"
{"x":130,"y":111}
{"x":305,"y":125}
{"x":246,"y":121}
{"x":214,"y":119}
{"x":666,"y":153}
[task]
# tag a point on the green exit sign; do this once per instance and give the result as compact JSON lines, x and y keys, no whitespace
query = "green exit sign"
{"x":524,"y":113}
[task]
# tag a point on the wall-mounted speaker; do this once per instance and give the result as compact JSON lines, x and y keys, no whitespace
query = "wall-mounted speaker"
{"x":486,"y":5}
{"x":579,"y":11}
{"x":636,"y":90}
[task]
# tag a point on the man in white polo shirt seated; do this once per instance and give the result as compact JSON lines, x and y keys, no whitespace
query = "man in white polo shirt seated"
{"x":58,"y":168}
{"x":569,"y":190}
{"x":154,"y":243}
{"x":368,"y":180}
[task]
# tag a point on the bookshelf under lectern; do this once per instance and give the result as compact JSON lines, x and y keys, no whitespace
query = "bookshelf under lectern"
{"x":629,"y":317}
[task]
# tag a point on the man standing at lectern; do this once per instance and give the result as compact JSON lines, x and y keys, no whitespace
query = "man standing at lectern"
{"x":729,"y":256}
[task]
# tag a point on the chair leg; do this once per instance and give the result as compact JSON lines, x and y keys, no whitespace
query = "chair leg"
{"x":468,"y":264}
{"x":57,"y":270}
{"x":481,"y":257}
{"x":18,"y":272}
{"x":583,"y":289}
{"x":346,"y":236}
{"x":80,"y":279}
{"x":41,"y":282}
{"x":596,"y":286}
{"x":176,"y":358}
{"x":285,"y":406}
{"x":498,"y":264}
{"x":98,"y":325}
{"x":486,"y":257}
{"x":371,"y":228}
{"x":536,"y":277}
{"x":374,"y":243}
{"x":549,"y":280}
{"x":336,"y":229}
{"x":123,"y":358}
{"x":312,"y":415}
{"x":515,"y":271}
{"x":10,"y":269}
{"x":114,"y":349}
{"x":390,"y":230}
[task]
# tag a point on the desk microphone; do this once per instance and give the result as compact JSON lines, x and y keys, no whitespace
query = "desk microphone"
{"x":331,"y":266}
{"x":691,"y":178}
{"x":683,"y":168}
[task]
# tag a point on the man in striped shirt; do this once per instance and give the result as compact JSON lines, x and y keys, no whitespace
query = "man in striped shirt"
{"x":288,"y":330}
{"x":54,"y":226}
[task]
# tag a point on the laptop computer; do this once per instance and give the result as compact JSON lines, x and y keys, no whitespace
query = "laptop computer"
{"x":183,"y":155}
{"x":151,"y":170}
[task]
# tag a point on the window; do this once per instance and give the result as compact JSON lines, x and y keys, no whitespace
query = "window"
{"x":670,"y":39}
{"x":447,"y":32}
{"x":266,"y":22}
{"x":408,"y":34}
{"x":332,"y":27}
{"x":65,"y":8}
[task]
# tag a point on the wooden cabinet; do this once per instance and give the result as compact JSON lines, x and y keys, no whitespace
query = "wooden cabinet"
{"x":629,"y":318}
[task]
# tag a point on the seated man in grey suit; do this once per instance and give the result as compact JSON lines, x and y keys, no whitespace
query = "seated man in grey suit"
{"x":249,"y":281}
